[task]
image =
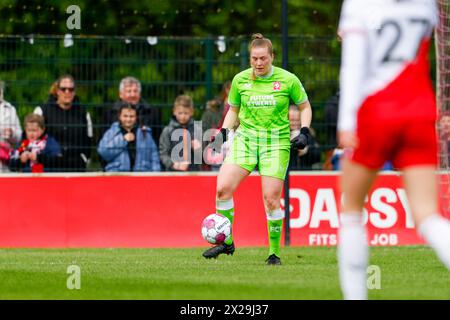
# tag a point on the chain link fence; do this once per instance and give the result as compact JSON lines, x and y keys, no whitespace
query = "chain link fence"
{"x":165,"y":66}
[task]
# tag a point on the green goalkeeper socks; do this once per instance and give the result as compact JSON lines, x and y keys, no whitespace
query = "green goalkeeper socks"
{"x":226,"y":208}
{"x":275,"y":228}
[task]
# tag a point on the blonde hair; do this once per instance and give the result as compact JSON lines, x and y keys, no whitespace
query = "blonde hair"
{"x":55,"y":85}
{"x":184,"y":101}
{"x":259,"y":41}
{"x":54,"y":89}
{"x":34,"y":118}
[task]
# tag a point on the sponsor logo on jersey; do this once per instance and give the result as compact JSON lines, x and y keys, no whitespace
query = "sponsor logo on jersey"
{"x":259,"y":101}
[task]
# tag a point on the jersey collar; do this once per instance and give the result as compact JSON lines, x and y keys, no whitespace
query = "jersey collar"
{"x":267,"y":75}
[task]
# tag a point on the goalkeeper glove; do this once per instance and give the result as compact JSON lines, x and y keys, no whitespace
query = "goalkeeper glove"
{"x":302,"y":139}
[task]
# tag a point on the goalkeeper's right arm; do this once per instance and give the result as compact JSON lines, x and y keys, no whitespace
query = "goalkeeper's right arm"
{"x":231,"y":119}
{"x":230,"y":123}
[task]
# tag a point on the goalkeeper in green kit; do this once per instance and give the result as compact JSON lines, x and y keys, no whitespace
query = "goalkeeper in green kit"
{"x":259,"y":101}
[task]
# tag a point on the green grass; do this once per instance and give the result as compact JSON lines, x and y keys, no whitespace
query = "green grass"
{"x":306,"y":273}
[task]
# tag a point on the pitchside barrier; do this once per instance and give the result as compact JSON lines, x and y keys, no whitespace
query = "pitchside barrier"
{"x":166,"y":210}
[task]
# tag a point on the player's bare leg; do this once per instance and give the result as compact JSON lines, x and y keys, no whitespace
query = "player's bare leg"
{"x":421,"y":188}
{"x":353,"y":250}
{"x":271,"y":189}
{"x":229,"y":178}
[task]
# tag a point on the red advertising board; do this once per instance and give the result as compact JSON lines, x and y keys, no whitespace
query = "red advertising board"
{"x":165,"y":210}
{"x":315,"y":206}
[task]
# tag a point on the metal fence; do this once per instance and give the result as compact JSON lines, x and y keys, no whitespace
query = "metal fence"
{"x":165,"y":66}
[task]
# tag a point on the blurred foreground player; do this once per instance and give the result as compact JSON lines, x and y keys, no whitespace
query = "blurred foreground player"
{"x":387,"y":112}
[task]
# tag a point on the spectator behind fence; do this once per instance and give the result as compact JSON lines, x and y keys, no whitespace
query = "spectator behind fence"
{"x":223,"y":98}
{"x":38,"y":152}
{"x":331,"y":112}
{"x":211,"y":119}
{"x":334,"y":154}
{"x":69,"y":123}
{"x":10,"y":130}
{"x":130,"y":90}
{"x":178,"y":147}
{"x":445,"y":132}
{"x":306,"y":158}
{"x":339,"y":154}
{"x":213,"y":153}
{"x":128,"y":147}
{"x":212,"y":116}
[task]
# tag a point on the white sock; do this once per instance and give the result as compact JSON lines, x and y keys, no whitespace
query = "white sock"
{"x":435,"y":230}
{"x":353,"y":256}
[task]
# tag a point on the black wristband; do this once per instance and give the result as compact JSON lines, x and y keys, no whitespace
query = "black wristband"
{"x":305,"y":131}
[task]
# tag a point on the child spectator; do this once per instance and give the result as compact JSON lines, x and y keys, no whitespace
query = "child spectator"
{"x":39,"y":152}
{"x":130,"y":91}
{"x":127,"y":147}
{"x":177,"y":145}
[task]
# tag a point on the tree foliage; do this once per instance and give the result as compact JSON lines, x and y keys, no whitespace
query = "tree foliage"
{"x":170,"y":17}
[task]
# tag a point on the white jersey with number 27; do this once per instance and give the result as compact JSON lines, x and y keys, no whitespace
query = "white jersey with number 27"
{"x":380,"y":39}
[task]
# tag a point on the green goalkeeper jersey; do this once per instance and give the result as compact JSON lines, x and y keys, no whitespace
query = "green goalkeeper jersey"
{"x":264,"y":102}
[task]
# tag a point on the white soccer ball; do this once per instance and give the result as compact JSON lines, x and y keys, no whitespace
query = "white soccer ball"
{"x":216,"y":228}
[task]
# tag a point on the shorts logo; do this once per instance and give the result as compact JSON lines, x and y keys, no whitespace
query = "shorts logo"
{"x":275,"y":229}
{"x":276,"y":86}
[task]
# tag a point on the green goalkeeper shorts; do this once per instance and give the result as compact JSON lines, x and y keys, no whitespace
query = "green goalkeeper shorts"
{"x":271,"y":155}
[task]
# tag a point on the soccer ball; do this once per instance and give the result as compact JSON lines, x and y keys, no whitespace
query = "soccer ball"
{"x":216,"y":228}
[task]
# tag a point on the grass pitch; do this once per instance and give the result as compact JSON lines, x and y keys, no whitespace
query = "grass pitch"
{"x":306,"y":273}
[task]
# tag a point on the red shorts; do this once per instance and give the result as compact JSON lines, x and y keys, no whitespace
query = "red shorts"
{"x":397,"y":123}
{"x":405,"y":143}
